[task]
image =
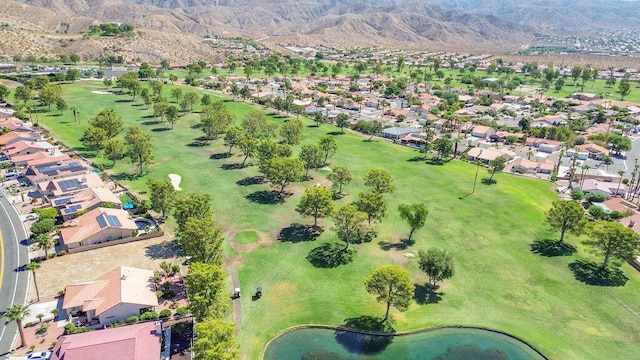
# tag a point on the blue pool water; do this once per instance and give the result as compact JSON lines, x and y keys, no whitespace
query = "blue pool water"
{"x":441,"y":344}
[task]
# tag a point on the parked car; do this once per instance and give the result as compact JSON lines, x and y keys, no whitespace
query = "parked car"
{"x":42,"y":355}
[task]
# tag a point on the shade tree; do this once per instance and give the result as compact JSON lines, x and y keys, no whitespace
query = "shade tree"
{"x":437,"y":264}
{"x":611,"y":239}
{"x":373,"y":205}
{"x":317,"y":202}
{"x":392,"y":286}
{"x":415,"y":215}
{"x":311,"y":156}
{"x":340,"y":175}
{"x":139,"y":147}
{"x":566,"y":216}
{"x":328,"y":145}
{"x":162,"y":194}
{"x":379,"y":181}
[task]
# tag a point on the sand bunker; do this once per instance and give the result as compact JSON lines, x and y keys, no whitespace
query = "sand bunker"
{"x":102,"y":92}
{"x":175,"y":181}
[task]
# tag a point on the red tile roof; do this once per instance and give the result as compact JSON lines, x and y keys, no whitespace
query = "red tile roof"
{"x":133,"y":342}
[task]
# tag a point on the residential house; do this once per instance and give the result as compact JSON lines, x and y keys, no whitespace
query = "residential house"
{"x":595,"y":151}
{"x":131,"y":342}
{"x":15,"y":136}
{"x":56,"y":188}
{"x":487,"y":155}
{"x":40,"y":158}
{"x":603,"y":187}
{"x":481,"y":131}
{"x":115,"y":296}
{"x":62,"y":169}
{"x":23,"y":147}
{"x":397,"y":133}
{"x":524,"y":165}
{"x":85,"y":199}
{"x":584,"y":96}
{"x":97,"y":226}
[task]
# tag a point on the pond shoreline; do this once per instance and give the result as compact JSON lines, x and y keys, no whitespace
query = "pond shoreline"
{"x":402,"y":333}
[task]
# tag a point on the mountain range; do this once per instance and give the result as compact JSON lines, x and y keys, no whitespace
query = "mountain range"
{"x":455,"y":24}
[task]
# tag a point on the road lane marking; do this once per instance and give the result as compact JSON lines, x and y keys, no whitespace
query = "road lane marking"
{"x":1,"y":261}
{"x":15,"y":285}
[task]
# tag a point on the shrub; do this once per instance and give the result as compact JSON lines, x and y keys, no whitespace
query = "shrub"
{"x":48,"y":213}
{"x":132,"y":319}
{"x":149,"y":315}
{"x":168,"y":294}
{"x":70,"y":328}
{"x":62,"y":252}
{"x":182,"y":311}
{"x":596,"y":212}
{"x":595,"y":197}
{"x":42,"y":226}
{"x":165,"y":314}
{"x":577,"y":194}
{"x":53,"y":344}
{"x":159,"y":293}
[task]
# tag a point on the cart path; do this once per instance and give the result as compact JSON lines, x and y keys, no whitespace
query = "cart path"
{"x":237,"y":302}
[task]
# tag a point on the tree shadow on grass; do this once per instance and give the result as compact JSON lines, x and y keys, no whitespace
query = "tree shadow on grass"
{"x":197,"y":143}
{"x":268,"y":197}
{"x":153,"y":122}
{"x":361,"y":343}
{"x":550,"y":248}
{"x":296,"y":233}
{"x":124,"y":100}
{"x":233,"y":166}
{"x":251,"y":180}
{"x":487,"y":181}
{"x":196,"y":126}
{"x":160,"y":129}
{"x":401,"y":245}
{"x":591,"y":273}
{"x":416,"y":159}
{"x":220,"y":156}
{"x":427,"y":294}
{"x":330,"y":255}
{"x":436,"y":161}
{"x":335,"y":133}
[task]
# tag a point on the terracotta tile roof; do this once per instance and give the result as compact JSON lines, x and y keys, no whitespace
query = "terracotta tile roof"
{"x":87,"y":225}
{"x":132,"y":342}
{"x":123,"y":285}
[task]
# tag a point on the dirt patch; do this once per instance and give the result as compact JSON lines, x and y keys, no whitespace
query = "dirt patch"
{"x":60,"y":271}
{"x":175,"y":181}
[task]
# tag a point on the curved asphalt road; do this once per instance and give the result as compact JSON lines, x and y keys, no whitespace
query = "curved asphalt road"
{"x":14,"y":284}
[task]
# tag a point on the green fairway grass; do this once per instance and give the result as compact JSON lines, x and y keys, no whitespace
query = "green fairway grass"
{"x":499,"y":283}
{"x":247,"y":237}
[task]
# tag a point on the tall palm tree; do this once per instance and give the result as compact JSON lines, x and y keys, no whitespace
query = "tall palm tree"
{"x":17,"y":313}
{"x":620,"y":173}
{"x":33,"y":266}
{"x":44,"y":242}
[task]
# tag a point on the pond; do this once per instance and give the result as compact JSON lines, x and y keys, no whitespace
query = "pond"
{"x":439,"y":344}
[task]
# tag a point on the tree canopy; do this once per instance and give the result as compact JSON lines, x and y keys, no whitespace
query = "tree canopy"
{"x":379,"y":181}
{"x":437,"y":264}
{"x":317,"y":202}
{"x":391,"y":285}
{"x":566,"y":216}
{"x":414,"y":214}
{"x":206,"y":286}
{"x":611,"y":239}
{"x":162,"y":195}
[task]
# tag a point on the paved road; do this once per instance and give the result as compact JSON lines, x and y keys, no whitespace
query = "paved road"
{"x":14,"y":284}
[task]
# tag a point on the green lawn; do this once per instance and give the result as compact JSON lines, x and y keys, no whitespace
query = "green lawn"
{"x":499,"y":282}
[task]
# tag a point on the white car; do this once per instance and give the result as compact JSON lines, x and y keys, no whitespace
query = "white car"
{"x":42,"y":355}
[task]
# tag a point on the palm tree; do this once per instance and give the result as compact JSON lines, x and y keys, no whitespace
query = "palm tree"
{"x":620,"y":173}
{"x":44,"y":242}
{"x":17,"y":313}
{"x":33,"y":266}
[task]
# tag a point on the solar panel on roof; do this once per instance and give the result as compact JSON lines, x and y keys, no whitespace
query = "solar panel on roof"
{"x":60,"y":202}
{"x":72,"y":209}
{"x":113,"y":220}
{"x":101,"y":221}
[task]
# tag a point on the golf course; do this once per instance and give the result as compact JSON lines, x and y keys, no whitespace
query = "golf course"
{"x":498,"y":283}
